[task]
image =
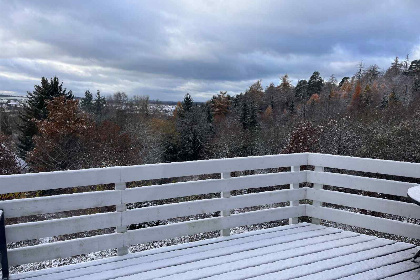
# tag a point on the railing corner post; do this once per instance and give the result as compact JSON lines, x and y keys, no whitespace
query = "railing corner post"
{"x":226,"y":212}
{"x":294,"y":220}
{"x":121,"y":208}
{"x":317,"y":221}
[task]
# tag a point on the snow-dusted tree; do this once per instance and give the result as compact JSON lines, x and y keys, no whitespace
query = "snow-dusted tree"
{"x":343,"y":81}
{"x":372,"y":73}
{"x":220,"y":106}
{"x":301,"y":90}
{"x":343,"y":136}
{"x":270,"y":96}
{"x":287,"y":95}
{"x":99,"y":105}
{"x":8,"y":160}
{"x":395,"y":70}
{"x":35,"y":109}
{"x":86,"y":102}
{"x":193,"y":129}
{"x":108,"y":145}
{"x":59,"y":144}
{"x":356,"y":98}
{"x":397,"y":140}
{"x":315,"y":84}
{"x":305,"y":138}
{"x":9,"y":164}
{"x":69,"y":139}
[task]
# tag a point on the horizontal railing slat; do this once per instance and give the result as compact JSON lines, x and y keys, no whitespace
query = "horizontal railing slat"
{"x":212,"y":224}
{"x":58,"y":179}
{"x":63,"y":249}
{"x":150,"y":193}
{"x":397,"y":168}
{"x":164,"y":212}
{"x":403,"y":209}
{"x":179,"y":169}
{"x":58,"y":203}
{"x":365,"y":221}
{"x":360,"y":183}
{"x":49,"y":228}
{"x":95,"y":176}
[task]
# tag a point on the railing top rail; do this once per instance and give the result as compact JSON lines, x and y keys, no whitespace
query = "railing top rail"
{"x":388,"y":167}
{"x":110,"y":175}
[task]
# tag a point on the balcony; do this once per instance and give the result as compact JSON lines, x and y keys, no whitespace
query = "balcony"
{"x":297,"y":216}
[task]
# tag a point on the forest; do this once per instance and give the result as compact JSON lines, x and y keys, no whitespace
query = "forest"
{"x":375,"y":113}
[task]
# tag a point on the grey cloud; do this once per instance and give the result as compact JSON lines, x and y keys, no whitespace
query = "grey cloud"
{"x":166,"y":48}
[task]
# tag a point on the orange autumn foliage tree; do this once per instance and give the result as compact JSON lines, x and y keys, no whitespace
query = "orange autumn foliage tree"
{"x":364,"y":100}
{"x":178,"y":109}
{"x":69,"y":139}
{"x":109,"y":146}
{"x":60,"y":144}
{"x":220,"y":106}
{"x":268,"y":113}
{"x":314,"y":99}
{"x":355,"y":100}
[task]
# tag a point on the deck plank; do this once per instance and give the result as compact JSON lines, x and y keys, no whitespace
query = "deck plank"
{"x":409,"y":275}
{"x":209,"y":264}
{"x":382,"y":272}
{"x":331,"y":262}
{"x":361,"y":266}
{"x":215,"y":252}
{"x":81,"y":269}
{"x":270,"y":267}
{"x":223,"y":271}
{"x":302,"y":251}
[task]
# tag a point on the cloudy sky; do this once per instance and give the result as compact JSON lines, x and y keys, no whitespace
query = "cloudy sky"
{"x":167,"y":48}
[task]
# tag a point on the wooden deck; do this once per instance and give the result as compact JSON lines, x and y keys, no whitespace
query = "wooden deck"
{"x":301,"y":251}
{"x":279,"y":187}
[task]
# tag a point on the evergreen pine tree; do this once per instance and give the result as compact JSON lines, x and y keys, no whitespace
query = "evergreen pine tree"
{"x":315,"y":84}
{"x":36,"y":109}
{"x":87,"y":102}
{"x":301,"y":90}
{"x":187,"y":103}
{"x":249,"y":114}
{"x":291,"y":106}
{"x":396,"y":68}
{"x":359,"y":73}
{"x":343,"y":81}
{"x":416,"y":85}
{"x":99,"y":104}
{"x":194,"y":131}
{"x":414,"y":68}
{"x":384,"y":102}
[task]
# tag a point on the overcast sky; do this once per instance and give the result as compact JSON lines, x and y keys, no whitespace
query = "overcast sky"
{"x":167,"y":48}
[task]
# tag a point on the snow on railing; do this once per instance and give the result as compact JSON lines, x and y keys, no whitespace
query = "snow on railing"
{"x":367,"y":184}
{"x":122,"y":195}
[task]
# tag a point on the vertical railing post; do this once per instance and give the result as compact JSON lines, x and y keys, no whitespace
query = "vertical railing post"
{"x":225,"y":213}
{"x":121,"y":207}
{"x":3,"y":248}
{"x":317,"y":221}
{"x":294,"y":220}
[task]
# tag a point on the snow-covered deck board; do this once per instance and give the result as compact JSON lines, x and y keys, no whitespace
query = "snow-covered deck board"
{"x":301,"y":251}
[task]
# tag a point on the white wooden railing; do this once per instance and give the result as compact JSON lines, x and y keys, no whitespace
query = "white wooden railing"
{"x":122,"y":239}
